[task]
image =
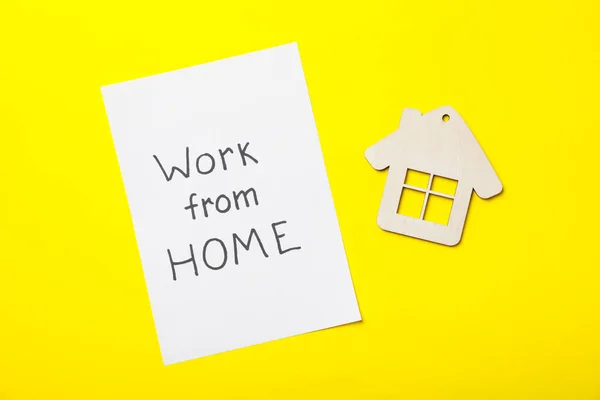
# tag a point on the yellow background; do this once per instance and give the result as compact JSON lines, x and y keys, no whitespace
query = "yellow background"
{"x":511,"y":313}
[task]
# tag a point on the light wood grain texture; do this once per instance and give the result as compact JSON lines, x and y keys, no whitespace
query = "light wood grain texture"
{"x":438,"y":143}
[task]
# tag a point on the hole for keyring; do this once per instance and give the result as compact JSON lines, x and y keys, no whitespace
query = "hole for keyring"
{"x":445,"y":118}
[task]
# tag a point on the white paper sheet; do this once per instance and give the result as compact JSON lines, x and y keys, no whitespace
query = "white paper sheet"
{"x":242,"y":133}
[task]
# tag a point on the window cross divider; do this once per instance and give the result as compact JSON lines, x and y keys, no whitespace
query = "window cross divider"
{"x":419,"y":189}
{"x":426,"y":196}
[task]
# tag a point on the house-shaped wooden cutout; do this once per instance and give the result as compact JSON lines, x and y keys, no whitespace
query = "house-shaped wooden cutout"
{"x":439,"y":144}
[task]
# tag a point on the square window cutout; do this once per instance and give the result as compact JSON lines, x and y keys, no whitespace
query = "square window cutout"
{"x":444,"y":185}
{"x":411,"y":203}
{"x":438,"y":209}
{"x":416,"y":179}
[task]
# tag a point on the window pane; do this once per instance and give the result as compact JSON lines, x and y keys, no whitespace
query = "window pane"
{"x":417,"y":179}
{"x":444,"y":185}
{"x":411,"y":203}
{"x":438,"y":209}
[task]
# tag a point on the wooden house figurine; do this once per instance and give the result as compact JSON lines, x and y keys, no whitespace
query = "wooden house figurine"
{"x":440,"y":145}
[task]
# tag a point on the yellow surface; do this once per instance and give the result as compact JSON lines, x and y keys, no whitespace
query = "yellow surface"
{"x":438,"y":209}
{"x":511,"y":313}
{"x":411,"y":203}
{"x":444,"y":185}
{"x":417,"y":178}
